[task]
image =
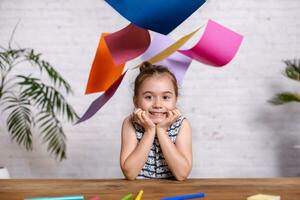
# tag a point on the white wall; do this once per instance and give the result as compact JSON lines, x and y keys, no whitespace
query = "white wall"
{"x":236,"y":133}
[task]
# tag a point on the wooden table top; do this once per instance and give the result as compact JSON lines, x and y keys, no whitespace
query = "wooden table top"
{"x":115,"y":189}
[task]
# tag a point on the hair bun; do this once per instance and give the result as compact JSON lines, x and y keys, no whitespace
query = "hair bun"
{"x":145,"y":65}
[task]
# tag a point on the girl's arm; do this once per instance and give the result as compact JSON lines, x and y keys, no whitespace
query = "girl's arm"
{"x":133,"y":154}
{"x":179,"y":155}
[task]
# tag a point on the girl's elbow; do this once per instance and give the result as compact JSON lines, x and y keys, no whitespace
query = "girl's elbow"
{"x":130,"y":178}
{"x":183,"y":174}
{"x":129,"y":175}
{"x":180,"y":178}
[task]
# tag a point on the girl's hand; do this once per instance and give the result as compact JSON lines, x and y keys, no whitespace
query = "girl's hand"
{"x":172,"y":115}
{"x":141,"y":117}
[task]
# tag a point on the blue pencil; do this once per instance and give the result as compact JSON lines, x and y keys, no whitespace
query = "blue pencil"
{"x":58,"y":198}
{"x":188,"y":196}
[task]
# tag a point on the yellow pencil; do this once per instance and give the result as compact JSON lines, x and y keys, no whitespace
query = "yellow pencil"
{"x":139,"y":196}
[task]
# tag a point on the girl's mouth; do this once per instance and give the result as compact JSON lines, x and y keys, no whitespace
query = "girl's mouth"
{"x":158,"y":114}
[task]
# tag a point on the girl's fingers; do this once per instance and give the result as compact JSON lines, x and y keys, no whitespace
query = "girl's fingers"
{"x":170,"y":115}
{"x":145,"y":117}
{"x":136,"y":115}
{"x":136,"y":110}
{"x":139,"y":114}
{"x":177,"y":112}
{"x":145,"y":120}
{"x":174,"y":116}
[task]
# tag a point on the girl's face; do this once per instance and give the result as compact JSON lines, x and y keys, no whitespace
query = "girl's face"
{"x":156,"y":95}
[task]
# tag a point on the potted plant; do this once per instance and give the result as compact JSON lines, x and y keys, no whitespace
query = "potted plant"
{"x":28,"y":101}
{"x":4,"y":173}
{"x":292,"y":71}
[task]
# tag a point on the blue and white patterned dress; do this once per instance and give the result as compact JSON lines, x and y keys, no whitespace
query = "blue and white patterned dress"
{"x":156,"y":166}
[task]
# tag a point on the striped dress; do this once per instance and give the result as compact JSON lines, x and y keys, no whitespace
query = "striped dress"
{"x":156,"y":166}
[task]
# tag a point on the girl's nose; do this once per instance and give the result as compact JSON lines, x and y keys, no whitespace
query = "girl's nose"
{"x":157,"y":103}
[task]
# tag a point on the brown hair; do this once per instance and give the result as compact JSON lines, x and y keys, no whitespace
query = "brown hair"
{"x":148,"y":70}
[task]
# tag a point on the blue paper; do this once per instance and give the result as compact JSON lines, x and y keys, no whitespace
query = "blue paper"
{"x":187,"y":196}
{"x":161,"y":16}
{"x":58,"y":198}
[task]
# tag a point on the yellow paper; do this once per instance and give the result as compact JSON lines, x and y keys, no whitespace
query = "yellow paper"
{"x":171,"y":49}
{"x":139,"y":196}
{"x":263,"y":197}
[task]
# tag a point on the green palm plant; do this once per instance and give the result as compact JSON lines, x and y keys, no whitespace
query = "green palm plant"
{"x":292,"y":71}
{"x":31,"y":103}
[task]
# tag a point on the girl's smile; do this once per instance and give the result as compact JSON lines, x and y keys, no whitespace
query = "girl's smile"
{"x":157,"y":116}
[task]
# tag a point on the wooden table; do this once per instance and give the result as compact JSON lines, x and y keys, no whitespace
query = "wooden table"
{"x":114,"y":189}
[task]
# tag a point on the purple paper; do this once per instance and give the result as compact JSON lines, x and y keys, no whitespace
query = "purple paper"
{"x":100,"y":101}
{"x":177,"y":63}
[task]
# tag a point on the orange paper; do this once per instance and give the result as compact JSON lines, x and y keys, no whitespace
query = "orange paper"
{"x":103,"y":71}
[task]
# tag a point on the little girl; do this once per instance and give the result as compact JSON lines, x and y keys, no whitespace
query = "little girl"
{"x":156,"y":139}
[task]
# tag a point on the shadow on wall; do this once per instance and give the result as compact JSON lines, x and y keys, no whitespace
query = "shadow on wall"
{"x":284,"y":133}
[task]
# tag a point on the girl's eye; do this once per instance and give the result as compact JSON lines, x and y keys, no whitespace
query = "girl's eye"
{"x":166,"y":97}
{"x":148,"y":97}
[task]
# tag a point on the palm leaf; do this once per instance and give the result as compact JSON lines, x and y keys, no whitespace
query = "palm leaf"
{"x":19,"y":121}
{"x":292,"y":69}
{"x":54,"y":76}
{"x":10,"y":56}
{"x":53,"y":133}
{"x":285,"y":97}
{"x":19,"y":94}
{"x":46,"y":97}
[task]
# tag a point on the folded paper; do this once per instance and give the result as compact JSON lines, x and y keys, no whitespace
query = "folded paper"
{"x":217,"y":46}
{"x":127,"y":197}
{"x":139,"y":196}
{"x":100,"y":101}
{"x":161,"y":16}
{"x":263,"y":197}
{"x":103,"y":72}
{"x":128,"y":43}
{"x":95,"y":198}
{"x":186,"y":196}
{"x":172,"y":48}
{"x":58,"y":198}
{"x":176,"y":62}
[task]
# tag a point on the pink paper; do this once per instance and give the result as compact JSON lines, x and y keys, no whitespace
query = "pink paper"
{"x":177,"y":63}
{"x":95,"y":198}
{"x":128,"y":43}
{"x":217,"y":46}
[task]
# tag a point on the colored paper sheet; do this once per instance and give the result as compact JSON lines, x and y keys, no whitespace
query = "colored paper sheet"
{"x":263,"y":197}
{"x":187,"y":196}
{"x":58,"y":198}
{"x":217,"y":46}
{"x":127,"y":197}
{"x":103,"y":72}
{"x":127,"y":43}
{"x":176,"y":62}
{"x":172,"y":48}
{"x":100,"y":101}
{"x":161,"y":16}
{"x":139,"y":196}
{"x":95,"y":198}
